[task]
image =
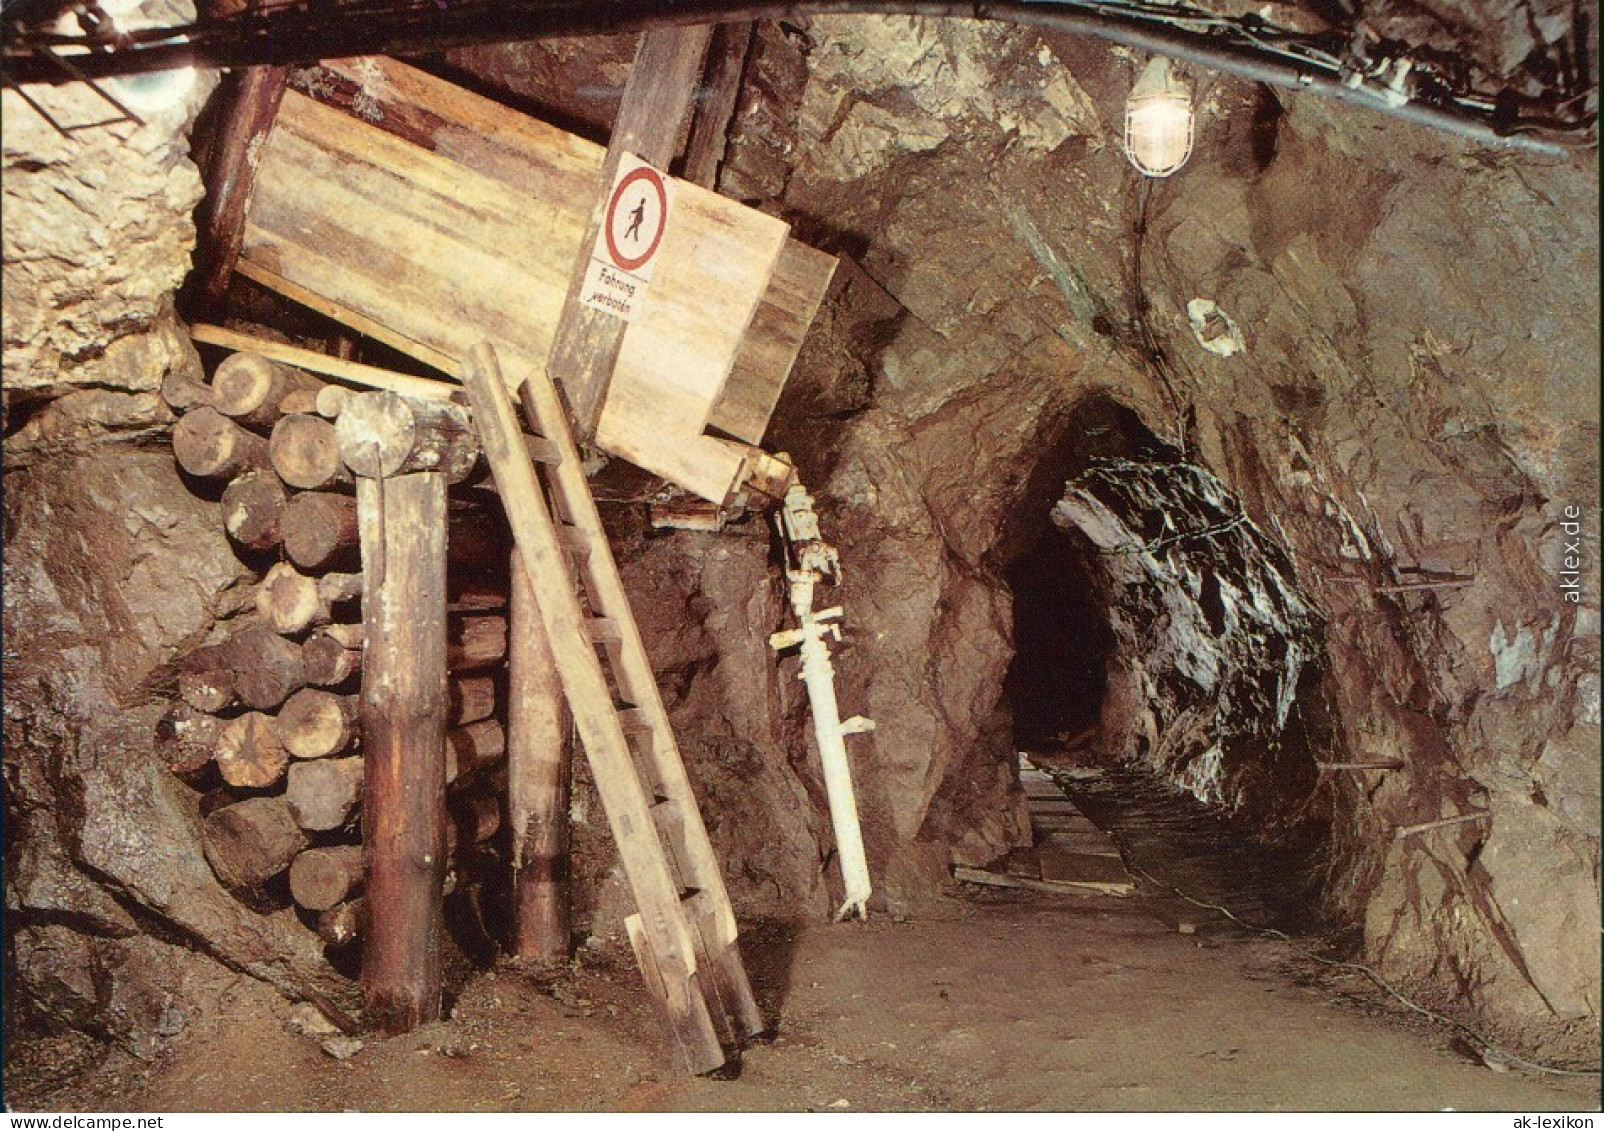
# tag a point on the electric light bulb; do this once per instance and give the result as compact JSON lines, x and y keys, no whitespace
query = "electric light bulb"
{"x":1158,"y":121}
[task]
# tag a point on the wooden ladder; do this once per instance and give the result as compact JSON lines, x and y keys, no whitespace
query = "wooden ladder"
{"x":684,"y":933}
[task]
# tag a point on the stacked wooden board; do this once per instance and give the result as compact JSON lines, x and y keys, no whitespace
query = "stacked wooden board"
{"x":430,"y":218}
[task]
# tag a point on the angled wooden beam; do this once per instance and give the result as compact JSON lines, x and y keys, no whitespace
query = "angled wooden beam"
{"x":230,"y":178}
{"x":661,"y":87}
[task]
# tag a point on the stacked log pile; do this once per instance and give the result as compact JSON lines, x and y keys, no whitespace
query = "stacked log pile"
{"x":266,"y":725}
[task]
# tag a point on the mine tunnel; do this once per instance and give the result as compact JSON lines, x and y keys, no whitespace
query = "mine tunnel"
{"x":570,"y":560}
{"x":1114,"y":666}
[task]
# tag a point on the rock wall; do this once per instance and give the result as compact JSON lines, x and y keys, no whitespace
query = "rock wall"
{"x":1415,"y":410}
{"x":114,"y":926}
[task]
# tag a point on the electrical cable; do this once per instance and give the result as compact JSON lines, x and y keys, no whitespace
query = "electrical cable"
{"x":287,"y":33}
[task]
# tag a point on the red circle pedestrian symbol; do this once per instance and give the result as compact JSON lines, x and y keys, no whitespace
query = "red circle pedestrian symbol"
{"x":636,"y":217}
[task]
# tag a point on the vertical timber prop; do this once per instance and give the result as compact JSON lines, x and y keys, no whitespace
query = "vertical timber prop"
{"x":684,"y":932}
{"x":404,"y":706}
{"x":538,"y":765}
{"x":661,"y":88}
{"x":813,"y":562}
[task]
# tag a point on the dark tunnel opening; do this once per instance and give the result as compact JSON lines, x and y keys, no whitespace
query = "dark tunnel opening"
{"x":1168,"y":671}
{"x":1058,"y":679}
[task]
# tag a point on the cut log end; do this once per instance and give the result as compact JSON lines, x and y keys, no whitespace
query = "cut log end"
{"x":209,"y":445}
{"x":266,"y":668}
{"x":306,"y":454}
{"x":249,"y":753}
{"x":322,"y":795}
{"x":320,"y":530}
{"x":326,"y":661}
{"x":288,"y":600}
{"x":316,"y":724}
{"x":250,"y":842}
{"x":254,"y":389}
{"x":253,"y":509}
{"x":342,"y":925}
{"x":322,"y":878}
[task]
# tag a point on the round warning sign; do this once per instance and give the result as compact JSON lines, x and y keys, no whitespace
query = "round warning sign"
{"x":636,"y":217}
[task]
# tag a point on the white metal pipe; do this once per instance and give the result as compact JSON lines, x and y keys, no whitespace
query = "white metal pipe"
{"x":819,"y":676}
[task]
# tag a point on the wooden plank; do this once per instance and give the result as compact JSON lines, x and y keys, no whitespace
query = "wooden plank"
{"x":423,"y":247}
{"x":675,"y":357}
{"x":403,"y":527}
{"x":273,"y":281}
{"x":1051,"y":887}
{"x":587,"y":344}
{"x":663,"y":924}
{"x":1062,"y":864}
{"x":563,"y":170}
{"x":354,"y":372}
{"x":406,"y":238}
{"x":769,"y":349}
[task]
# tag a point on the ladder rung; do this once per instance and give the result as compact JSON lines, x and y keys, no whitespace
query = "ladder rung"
{"x":542,"y":450}
{"x":574,"y":540}
{"x":634,"y":721}
{"x":604,"y":630}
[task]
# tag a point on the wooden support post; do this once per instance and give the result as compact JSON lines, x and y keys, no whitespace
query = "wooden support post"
{"x":539,"y":762}
{"x":726,"y":59}
{"x":230,"y":177}
{"x":403,"y":521}
{"x":660,"y":89}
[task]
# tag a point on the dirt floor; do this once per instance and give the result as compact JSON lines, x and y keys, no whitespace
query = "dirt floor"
{"x":1002,"y":1003}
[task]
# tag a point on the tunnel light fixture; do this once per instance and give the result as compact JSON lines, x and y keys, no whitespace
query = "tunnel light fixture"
{"x":1158,"y":121}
